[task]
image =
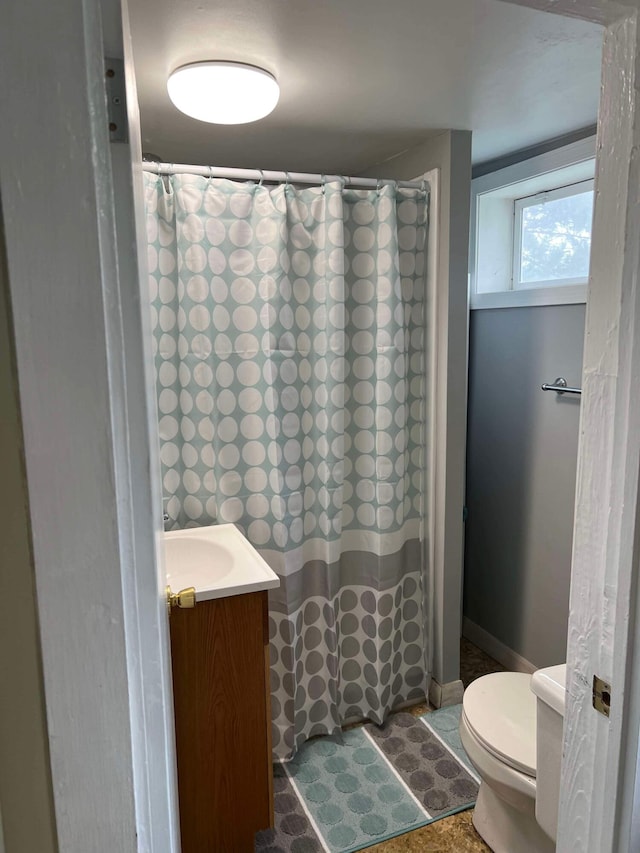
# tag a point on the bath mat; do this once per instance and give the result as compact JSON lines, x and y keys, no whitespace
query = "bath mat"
{"x":350,"y":791}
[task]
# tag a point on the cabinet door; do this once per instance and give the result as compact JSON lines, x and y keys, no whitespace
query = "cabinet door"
{"x":223,"y":726}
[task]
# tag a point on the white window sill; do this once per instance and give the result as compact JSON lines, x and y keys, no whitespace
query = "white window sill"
{"x":565,"y":295}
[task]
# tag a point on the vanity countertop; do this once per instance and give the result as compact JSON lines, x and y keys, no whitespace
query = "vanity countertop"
{"x":217,"y":560}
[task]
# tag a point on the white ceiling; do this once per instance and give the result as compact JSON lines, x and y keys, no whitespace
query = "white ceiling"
{"x":362,"y":80}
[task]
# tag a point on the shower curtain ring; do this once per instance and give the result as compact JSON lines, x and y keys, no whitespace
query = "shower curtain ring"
{"x":261,"y":177}
{"x":379,"y":185}
{"x":166,"y":177}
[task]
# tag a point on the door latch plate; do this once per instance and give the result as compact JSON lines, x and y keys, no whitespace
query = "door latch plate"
{"x":601,"y":696}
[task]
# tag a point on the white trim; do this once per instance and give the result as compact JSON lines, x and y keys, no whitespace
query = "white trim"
{"x":495,"y":648}
{"x":148,"y":646}
{"x":566,"y":294}
{"x":600,"y":754}
{"x":432,"y":441}
{"x":572,"y":162}
{"x":564,"y":191}
{"x":541,"y":164}
{"x":63,"y":280}
{"x":80,"y":353}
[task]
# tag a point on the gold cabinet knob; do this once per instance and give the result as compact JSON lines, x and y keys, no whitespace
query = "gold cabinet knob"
{"x":185,"y":599}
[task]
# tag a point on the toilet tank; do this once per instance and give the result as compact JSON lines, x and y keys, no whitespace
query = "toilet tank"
{"x":549,"y":687}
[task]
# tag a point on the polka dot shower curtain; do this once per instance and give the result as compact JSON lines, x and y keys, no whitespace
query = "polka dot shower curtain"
{"x":289,"y":332}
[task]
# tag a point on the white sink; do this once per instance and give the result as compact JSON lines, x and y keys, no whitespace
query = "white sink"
{"x":217,"y":560}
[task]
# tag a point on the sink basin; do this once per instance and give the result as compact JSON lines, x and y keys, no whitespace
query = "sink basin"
{"x":217,"y":560}
{"x":197,"y":555}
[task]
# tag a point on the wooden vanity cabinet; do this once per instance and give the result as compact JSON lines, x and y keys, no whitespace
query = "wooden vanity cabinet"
{"x":220,"y":663}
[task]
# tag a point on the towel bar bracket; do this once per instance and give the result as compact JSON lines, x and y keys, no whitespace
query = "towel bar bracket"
{"x":560,"y":387}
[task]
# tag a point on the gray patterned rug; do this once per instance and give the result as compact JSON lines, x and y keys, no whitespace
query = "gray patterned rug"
{"x":345,"y":793}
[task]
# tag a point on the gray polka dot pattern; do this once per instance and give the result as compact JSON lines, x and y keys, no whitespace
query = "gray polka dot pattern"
{"x":436,"y":778}
{"x":292,"y":832}
{"x":288,"y":329}
{"x":336,"y":671}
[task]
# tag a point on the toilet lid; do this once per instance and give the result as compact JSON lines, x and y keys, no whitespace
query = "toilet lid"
{"x":501,"y":711}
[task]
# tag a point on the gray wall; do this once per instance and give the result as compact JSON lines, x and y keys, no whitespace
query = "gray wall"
{"x":521,"y":472}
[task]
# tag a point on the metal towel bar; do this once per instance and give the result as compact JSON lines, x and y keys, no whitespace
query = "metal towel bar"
{"x":560,"y":387}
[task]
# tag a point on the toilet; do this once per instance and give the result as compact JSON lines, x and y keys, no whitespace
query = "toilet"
{"x":511,"y":729}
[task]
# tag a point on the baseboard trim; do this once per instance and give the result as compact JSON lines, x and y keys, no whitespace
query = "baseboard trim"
{"x":444,"y":695}
{"x":495,"y":648}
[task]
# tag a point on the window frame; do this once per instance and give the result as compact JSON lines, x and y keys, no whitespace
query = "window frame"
{"x":519,"y":206}
{"x":573,"y":163}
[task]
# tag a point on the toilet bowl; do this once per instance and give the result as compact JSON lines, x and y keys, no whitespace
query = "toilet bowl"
{"x":501,"y":725}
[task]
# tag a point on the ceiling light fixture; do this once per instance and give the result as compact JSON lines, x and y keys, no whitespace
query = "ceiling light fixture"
{"x":223,"y":92}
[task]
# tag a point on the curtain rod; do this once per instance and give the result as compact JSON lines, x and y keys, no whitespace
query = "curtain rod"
{"x":272,"y":177}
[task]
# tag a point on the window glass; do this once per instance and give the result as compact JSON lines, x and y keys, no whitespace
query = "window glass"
{"x":556,"y":239}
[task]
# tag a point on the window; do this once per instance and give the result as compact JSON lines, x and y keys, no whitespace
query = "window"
{"x":552,"y":237}
{"x":531,"y":230}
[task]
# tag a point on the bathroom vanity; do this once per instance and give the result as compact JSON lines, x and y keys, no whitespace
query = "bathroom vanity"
{"x":220,"y":663}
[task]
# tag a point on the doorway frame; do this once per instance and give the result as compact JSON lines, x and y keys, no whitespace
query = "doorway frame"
{"x":90,"y":477}
{"x":599,"y":799}
{"x":91,"y":454}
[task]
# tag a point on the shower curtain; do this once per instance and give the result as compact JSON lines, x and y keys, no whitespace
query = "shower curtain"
{"x":289,"y":335}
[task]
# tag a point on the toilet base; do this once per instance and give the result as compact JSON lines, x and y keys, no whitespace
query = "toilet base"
{"x":507,"y":829}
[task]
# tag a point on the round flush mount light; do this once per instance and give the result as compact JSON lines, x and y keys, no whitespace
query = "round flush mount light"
{"x":223,"y":92}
